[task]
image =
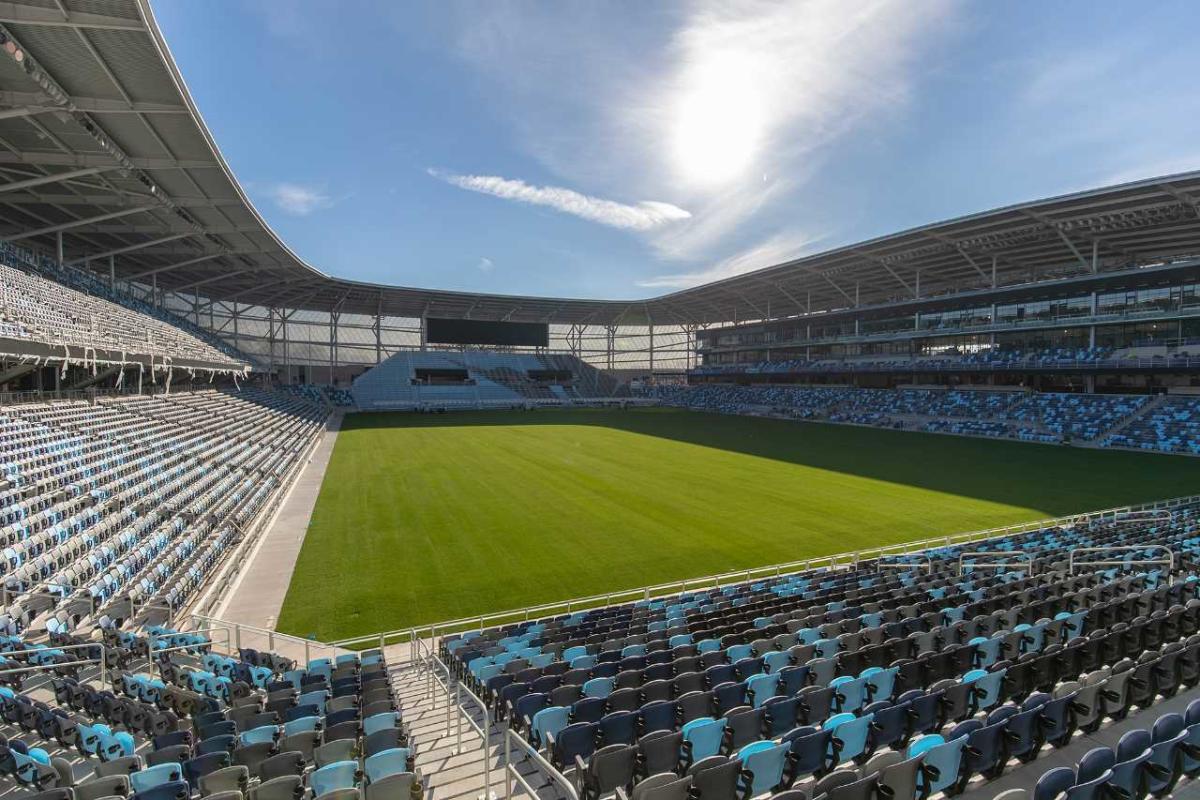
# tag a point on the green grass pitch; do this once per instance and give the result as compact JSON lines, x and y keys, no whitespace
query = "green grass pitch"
{"x":424,"y":518}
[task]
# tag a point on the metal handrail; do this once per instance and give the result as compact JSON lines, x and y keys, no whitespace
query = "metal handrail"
{"x":1133,"y":548}
{"x":662,"y":591}
{"x":923,"y":562}
{"x":484,"y":732}
{"x":102,"y":662}
{"x":510,"y":772}
{"x":1029,"y":561}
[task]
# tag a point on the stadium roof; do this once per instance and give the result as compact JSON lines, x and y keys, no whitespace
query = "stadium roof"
{"x":100,"y":140}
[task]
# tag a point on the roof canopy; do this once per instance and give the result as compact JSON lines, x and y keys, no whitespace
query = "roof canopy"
{"x":100,"y":140}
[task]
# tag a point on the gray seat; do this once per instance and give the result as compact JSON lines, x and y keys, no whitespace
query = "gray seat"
{"x":289,"y":763}
{"x":174,"y":754}
{"x":337,"y":750}
{"x":608,"y":768}
{"x":659,"y":752}
{"x":227,"y":779}
{"x":230,"y":795}
{"x":251,"y":756}
{"x":340,"y":794}
{"x":660,"y":787}
{"x":118,"y":766}
{"x":108,"y":786}
{"x":900,"y":780}
{"x":289,"y":787}
{"x":400,"y":786}
{"x":303,"y":743}
{"x":879,"y":762}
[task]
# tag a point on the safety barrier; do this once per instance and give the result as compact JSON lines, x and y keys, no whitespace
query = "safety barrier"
{"x":1168,"y":560}
{"x":1026,"y":563}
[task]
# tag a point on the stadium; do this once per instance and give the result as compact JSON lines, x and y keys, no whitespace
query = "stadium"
{"x":907,"y":518}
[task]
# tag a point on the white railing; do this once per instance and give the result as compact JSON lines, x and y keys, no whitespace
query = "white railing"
{"x":1168,"y":560}
{"x":1024,"y":561}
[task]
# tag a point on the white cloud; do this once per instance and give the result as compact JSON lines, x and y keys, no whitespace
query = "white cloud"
{"x":644,"y":216}
{"x":298,"y":200}
{"x":485,"y":265}
{"x":777,"y":249}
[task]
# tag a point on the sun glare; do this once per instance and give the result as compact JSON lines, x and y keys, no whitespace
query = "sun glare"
{"x":718,"y":121}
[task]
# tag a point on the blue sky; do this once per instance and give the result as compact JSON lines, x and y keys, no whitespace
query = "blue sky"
{"x":628,"y":149}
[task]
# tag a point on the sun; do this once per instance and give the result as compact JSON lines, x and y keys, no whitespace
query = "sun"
{"x":718,"y":120}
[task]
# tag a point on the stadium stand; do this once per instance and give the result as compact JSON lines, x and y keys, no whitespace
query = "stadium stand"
{"x":129,"y":503}
{"x":46,"y":302}
{"x":928,"y":678}
{"x":1131,"y":421}
{"x":1171,"y":425}
{"x":473,"y":379}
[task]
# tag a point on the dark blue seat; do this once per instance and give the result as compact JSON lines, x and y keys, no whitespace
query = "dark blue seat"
{"x":659,"y":715}
{"x":811,"y":750}
{"x":1168,"y":736}
{"x":577,"y":739}
{"x":1053,"y":783}
{"x":618,"y":727}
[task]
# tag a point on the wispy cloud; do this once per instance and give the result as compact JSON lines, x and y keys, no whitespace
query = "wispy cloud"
{"x":299,"y":200}
{"x":645,"y":215}
{"x":777,"y":249}
{"x":485,"y":265}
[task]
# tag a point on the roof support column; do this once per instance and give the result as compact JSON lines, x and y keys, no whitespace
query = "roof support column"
{"x":610,"y":340}
{"x":112,"y":272}
{"x":236,"y":314}
{"x":378,"y":339}
{"x":271,"y":341}
{"x":334,"y":317}
{"x":994,"y":260}
{"x":651,"y":348}
{"x":154,"y":298}
{"x":287,"y":352}
{"x":58,"y":247}
{"x":1095,"y":256}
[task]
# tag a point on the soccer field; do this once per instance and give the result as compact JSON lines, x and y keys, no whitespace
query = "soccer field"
{"x":424,"y":518}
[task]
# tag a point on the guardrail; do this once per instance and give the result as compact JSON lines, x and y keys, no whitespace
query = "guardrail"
{"x":511,"y":773}
{"x":239,"y":635}
{"x":1169,"y":560}
{"x":666,"y":590}
{"x":1026,"y":563}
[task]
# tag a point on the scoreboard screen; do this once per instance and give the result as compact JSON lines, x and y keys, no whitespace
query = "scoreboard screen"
{"x":475,"y":331}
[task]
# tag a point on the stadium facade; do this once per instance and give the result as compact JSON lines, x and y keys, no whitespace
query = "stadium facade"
{"x":111,"y":169}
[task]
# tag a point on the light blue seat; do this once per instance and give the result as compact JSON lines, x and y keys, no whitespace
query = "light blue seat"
{"x":987,"y":651}
{"x":633,"y":650}
{"x":331,"y":777}
{"x":850,"y":735}
{"x":737,"y":652}
{"x":762,"y":687}
{"x":548,"y":721}
{"x":301,"y":725}
{"x":705,"y":736}
{"x":263,"y":734}
{"x":572,"y":653}
{"x":149,"y":777}
{"x":941,"y":762}
{"x":582,"y":662}
{"x":881,"y":682}
{"x":776,"y":660}
{"x":598,"y":687}
{"x":708,"y":645}
{"x":765,"y":761}
{"x":386,"y":762}
{"x":987,"y":688}
{"x":849,"y":692}
{"x":379,"y":722}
